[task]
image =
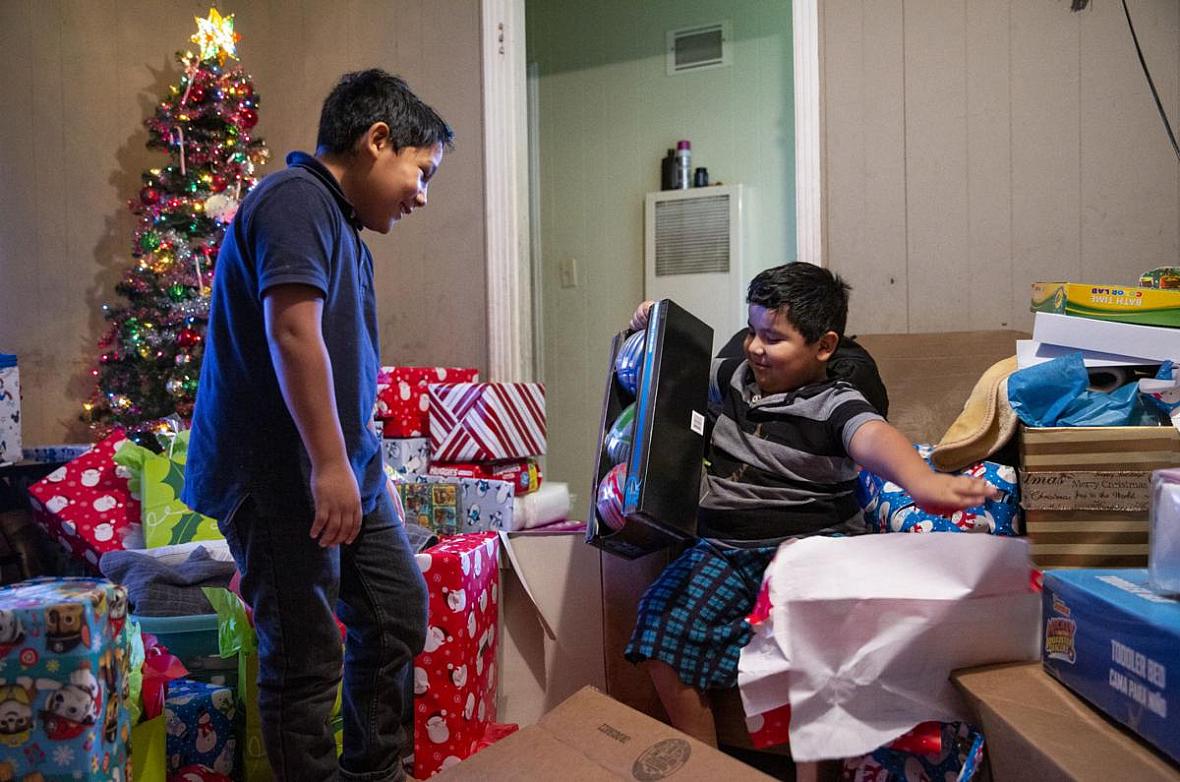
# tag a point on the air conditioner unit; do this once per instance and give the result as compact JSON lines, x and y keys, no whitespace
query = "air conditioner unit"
{"x":693,"y":255}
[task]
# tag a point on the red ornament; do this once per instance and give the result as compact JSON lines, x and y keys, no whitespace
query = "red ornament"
{"x":187,"y":338}
{"x":150,"y":196}
{"x":219,"y":183}
{"x":196,"y":93}
{"x":247,"y":118}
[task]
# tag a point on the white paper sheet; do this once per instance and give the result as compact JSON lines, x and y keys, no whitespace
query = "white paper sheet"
{"x":871,"y":627}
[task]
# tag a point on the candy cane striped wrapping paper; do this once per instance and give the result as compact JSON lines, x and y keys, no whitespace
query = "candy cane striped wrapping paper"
{"x":476,"y":422}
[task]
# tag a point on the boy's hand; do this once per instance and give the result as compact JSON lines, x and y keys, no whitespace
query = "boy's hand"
{"x":639,"y":319}
{"x":337,"y":504}
{"x":944,"y":494}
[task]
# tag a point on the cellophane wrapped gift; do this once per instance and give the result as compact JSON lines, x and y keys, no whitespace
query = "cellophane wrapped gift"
{"x":65,"y":653}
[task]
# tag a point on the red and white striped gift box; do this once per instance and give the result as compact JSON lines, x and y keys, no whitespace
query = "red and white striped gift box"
{"x":479,"y":422}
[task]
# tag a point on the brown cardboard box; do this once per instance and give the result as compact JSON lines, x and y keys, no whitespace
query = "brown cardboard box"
{"x":1037,"y":730}
{"x":1085,"y":491}
{"x":590,"y":737}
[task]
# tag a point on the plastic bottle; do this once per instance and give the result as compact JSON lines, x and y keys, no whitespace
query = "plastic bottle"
{"x":668,"y":171}
{"x":683,"y":165}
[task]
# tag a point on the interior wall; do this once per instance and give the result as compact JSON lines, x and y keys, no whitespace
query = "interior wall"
{"x":971,"y":148}
{"x":81,"y":77}
{"x":608,"y":113}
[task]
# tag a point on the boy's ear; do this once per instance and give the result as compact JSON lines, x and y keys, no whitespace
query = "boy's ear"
{"x":375,"y":139}
{"x":827,"y":345}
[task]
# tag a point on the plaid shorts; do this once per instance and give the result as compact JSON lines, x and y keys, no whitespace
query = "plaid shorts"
{"x":694,"y":616}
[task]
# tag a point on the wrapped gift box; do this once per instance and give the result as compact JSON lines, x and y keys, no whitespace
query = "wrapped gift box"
{"x":890,"y":508}
{"x":406,"y":456}
{"x":56,"y":453}
{"x":455,"y":676}
{"x":402,"y":401}
{"x":479,"y":504}
{"x":87,"y":505}
{"x":524,"y":474}
{"x":158,"y":479}
{"x":64,"y":661}
{"x":202,"y":724}
{"x":10,"y":449}
{"x":482,"y":422}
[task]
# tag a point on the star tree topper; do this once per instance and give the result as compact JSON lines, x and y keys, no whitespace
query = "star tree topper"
{"x":216,"y":37}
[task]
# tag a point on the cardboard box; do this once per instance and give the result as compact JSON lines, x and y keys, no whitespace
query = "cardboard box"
{"x":591,"y":737}
{"x":1038,"y":730}
{"x":1085,"y":491}
{"x":1112,"y":640}
{"x":1158,"y":343}
{"x":550,"y":621}
{"x":1121,"y":303}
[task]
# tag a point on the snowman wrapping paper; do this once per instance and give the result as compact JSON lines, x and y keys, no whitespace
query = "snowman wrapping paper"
{"x":201,"y":723}
{"x":455,"y":675}
{"x":87,"y":505}
{"x":889,"y":508}
{"x":65,"y":654}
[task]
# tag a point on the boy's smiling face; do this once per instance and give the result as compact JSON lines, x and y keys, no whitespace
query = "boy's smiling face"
{"x":395,"y":182}
{"x":781,"y":359}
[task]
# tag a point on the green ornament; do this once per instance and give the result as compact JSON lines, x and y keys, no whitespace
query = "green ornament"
{"x":192,"y":185}
{"x":176,"y":292}
{"x":149,"y":241}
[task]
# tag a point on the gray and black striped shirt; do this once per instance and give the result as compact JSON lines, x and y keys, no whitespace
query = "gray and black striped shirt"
{"x":778,"y":465}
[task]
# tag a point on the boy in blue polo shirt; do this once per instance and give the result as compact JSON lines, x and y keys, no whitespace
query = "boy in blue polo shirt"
{"x":282,"y":451}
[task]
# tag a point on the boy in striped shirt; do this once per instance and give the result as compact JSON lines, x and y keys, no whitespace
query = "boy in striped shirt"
{"x":781,"y":463}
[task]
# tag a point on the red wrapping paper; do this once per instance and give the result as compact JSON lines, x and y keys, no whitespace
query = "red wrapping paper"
{"x":402,"y":402}
{"x":455,"y":677}
{"x":87,"y":505}
{"x":483,"y":422}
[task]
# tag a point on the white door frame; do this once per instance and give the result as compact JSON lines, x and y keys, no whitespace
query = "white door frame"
{"x":511,"y":348}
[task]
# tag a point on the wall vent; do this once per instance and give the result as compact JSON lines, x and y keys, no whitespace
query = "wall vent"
{"x":692,"y":252}
{"x":698,"y":48}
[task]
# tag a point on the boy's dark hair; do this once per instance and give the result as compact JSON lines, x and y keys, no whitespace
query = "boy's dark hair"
{"x":816,"y":300}
{"x":363,"y":97}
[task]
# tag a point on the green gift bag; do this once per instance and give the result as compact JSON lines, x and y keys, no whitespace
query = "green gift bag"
{"x":148,"y":751}
{"x":158,"y":479}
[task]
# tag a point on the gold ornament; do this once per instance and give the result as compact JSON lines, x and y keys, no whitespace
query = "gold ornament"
{"x":216,"y":37}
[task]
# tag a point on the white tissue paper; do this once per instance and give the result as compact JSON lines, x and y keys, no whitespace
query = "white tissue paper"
{"x":1163,"y":556}
{"x":868,"y":629}
{"x":546,"y":505}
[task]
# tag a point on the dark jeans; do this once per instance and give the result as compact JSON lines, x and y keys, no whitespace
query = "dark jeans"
{"x":294,"y":586}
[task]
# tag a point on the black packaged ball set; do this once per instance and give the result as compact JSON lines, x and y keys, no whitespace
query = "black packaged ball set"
{"x":652,"y":435}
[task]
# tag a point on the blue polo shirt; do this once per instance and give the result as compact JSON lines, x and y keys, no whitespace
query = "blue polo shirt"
{"x":296,"y":226}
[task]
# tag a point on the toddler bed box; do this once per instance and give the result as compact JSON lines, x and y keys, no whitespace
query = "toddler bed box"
{"x":590,"y":736}
{"x":1116,"y":643}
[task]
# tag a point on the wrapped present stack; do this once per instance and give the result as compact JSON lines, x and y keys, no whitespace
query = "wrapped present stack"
{"x":1085,"y":468}
{"x":463,"y":452}
{"x":65,"y":650}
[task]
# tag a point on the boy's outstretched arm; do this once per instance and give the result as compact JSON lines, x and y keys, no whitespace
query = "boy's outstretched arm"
{"x":880,"y":448}
{"x":304,"y":370}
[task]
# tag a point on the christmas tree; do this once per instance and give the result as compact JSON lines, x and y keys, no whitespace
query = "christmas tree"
{"x":150,"y":354}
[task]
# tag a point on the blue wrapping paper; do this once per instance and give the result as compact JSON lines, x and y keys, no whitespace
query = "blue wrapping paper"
{"x":201,"y":722}
{"x":890,"y":508}
{"x":65,"y":655}
{"x":962,"y":752}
